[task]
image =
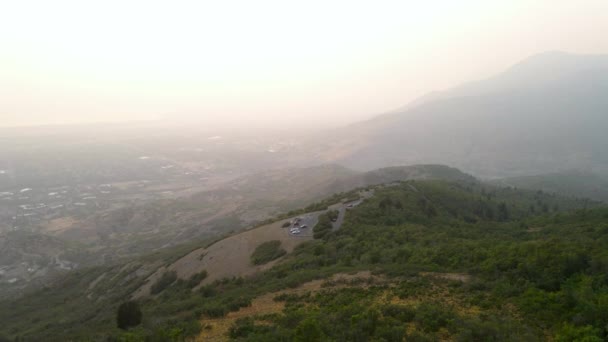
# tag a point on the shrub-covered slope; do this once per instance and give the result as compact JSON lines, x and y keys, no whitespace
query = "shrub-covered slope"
{"x":458,"y":261}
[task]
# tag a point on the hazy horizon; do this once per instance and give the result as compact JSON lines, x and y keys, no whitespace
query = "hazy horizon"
{"x":267,"y":62}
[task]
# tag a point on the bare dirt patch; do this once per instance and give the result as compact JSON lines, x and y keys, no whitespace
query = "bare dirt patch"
{"x":462,"y":277}
{"x":61,"y":224}
{"x":230,"y":257}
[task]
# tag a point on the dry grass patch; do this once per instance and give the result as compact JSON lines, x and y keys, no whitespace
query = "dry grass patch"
{"x":216,"y":329}
{"x":462,"y":277}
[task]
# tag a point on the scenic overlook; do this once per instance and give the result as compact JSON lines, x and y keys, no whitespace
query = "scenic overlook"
{"x":306,"y":171}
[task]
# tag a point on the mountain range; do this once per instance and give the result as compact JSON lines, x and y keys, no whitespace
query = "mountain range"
{"x":544,"y":114}
{"x":255,"y":237}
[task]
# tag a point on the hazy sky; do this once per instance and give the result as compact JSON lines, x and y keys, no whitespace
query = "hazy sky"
{"x":336,"y":61}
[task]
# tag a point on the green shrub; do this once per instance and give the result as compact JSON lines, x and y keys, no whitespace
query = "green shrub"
{"x":570,"y":333}
{"x":431,"y":317}
{"x":128,"y":315}
{"x":208,"y":291}
{"x":163,"y":282}
{"x":196,"y":279}
{"x":215,"y":311}
{"x":242,"y":327}
{"x":324,"y":226}
{"x":267,"y":251}
{"x":400,"y":312}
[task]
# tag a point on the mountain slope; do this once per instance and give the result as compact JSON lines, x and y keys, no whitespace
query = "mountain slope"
{"x":570,"y":183}
{"x":403,"y":233}
{"x":138,"y":229}
{"x":399,"y":174}
{"x":547,"y":113}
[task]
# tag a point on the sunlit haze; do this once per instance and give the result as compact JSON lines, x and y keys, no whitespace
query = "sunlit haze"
{"x":265,"y":170}
{"x":265,"y":61}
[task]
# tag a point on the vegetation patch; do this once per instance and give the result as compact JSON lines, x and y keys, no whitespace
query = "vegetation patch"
{"x":452,"y":261}
{"x":128,"y":315}
{"x":324,"y":226}
{"x":194,"y":280}
{"x":266,"y":252}
{"x":163,"y":282}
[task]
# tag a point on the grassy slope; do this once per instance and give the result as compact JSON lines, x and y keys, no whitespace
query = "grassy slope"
{"x":416,"y":226}
{"x":530,"y":276}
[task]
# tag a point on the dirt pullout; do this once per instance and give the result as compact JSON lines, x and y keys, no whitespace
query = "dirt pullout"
{"x":216,"y":329}
{"x":230,"y":257}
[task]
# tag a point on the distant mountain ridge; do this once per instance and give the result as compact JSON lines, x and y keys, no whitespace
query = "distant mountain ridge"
{"x":544,"y":114}
{"x":574,"y":183}
{"x":546,"y":68}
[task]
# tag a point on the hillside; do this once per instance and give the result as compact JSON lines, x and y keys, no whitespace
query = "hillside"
{"x":138,"y":228}
{"x":488,"y":258}
{"x":28,"y":258}
{"x":400,"y":173}
{"x":543,"y":115}
{"x":228,"y":258}
{"x":568,"y":183}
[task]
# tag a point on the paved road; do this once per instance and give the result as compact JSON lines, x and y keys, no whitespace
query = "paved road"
{"x":342,"y":208}
{"x":341,"y":213}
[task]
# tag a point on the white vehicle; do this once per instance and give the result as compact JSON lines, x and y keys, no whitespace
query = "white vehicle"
{"x":303,"y":226}
{"x":297,"y":231}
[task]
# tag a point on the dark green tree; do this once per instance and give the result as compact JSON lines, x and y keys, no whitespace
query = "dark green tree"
{"x":386,"y":203}
{"x":503,"y":212}
{"x":308,"y":331}
{"x":128,"y":315}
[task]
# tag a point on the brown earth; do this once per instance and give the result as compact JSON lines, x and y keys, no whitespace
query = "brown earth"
{"x":230,"y":257}
{"x":61,"y":224}
{"x":462,"y":277}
